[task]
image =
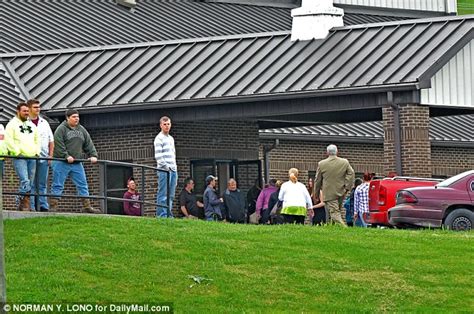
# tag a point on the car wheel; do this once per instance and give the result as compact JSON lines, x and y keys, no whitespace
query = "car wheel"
{"x":459,"y":219}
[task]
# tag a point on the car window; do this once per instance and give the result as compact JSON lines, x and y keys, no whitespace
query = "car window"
{"x":451,"y":180}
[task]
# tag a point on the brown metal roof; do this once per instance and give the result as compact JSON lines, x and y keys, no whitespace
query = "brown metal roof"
{"x":441,"y":132}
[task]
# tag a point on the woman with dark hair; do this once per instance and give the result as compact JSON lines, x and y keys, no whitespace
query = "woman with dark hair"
{"x":319,"y":217}
{"x":296,"y":199}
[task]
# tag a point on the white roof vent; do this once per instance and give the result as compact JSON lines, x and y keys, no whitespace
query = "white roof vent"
{"x":314,"y":19}
{"x":128,"y":4}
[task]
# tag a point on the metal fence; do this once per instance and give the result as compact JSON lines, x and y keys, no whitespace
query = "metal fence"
{"x":104,"y":198}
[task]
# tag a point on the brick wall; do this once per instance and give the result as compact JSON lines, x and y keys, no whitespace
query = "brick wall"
{"x":414,"y":137}
{"x":305,"y":155}
{"x":448,"y":161}
{"x":237,"y":140}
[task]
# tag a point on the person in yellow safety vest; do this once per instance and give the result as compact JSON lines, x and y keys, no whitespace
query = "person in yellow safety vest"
{"x":22,"y":140}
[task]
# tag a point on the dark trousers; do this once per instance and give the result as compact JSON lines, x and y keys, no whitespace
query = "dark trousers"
{"x":265,"y":216}
{"x":233,"y":221}
{"x":294,"y":219}
{"x":320,"y":216}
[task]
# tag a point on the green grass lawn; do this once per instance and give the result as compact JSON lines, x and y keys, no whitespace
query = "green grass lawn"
{"x":253,"y":268}
{"x":465,"y":7}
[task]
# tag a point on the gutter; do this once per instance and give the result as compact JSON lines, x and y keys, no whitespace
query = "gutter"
{"x":396,"y":135}
{"x":266,"y":158}
{"x":357,"y":140}
{"x":319,"y":138}
{"x":168,"y":104}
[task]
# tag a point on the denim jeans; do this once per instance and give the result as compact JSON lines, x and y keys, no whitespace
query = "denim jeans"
{"x":61,"y":170}
{"x":42,"y":168}
{"x":360,"y":222}
{"x":162,"y":211}
{"x":25,"y":169}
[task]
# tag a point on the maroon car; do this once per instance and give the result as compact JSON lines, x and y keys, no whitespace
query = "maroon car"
{"x":450,"y":204}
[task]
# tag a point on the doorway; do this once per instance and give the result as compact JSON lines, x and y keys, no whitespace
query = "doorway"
{"x":245,"y":172}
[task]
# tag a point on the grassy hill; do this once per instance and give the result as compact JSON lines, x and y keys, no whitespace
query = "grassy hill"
{"x":252,"y":268}
{"x":465,"y":7}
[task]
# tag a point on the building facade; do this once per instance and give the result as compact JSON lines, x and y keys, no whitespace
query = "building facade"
{"x":221,"y":80}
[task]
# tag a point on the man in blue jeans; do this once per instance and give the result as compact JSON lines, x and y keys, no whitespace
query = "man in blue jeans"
{"x":22,"y":140}
{"x":71,"y":142}
{"x":165,"y":155}
{"x":47,"y":147}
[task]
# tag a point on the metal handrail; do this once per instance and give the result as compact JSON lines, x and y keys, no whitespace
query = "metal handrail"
{"x":104,"y":197}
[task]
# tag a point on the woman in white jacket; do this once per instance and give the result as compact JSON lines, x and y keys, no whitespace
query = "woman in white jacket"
{"x":296,"y":199}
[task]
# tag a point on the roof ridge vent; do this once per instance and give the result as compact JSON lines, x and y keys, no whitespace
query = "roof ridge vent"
{"x":314,"y":19}
{"x":127,"y":4}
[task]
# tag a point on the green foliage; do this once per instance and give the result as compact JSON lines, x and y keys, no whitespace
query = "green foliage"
{"x":465,"y":7}
{"x":215,"y":267}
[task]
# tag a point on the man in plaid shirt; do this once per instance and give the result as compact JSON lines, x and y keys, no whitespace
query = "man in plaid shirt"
{"x":361,"y":201}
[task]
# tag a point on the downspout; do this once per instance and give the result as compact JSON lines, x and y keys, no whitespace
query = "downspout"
{"x":266,"y":159}
{"x":396,"y":134}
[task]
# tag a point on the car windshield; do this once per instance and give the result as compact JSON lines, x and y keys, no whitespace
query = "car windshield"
{"x":451,"y":180}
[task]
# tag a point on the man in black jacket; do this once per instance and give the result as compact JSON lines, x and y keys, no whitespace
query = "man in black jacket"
{"x":234,"y":203}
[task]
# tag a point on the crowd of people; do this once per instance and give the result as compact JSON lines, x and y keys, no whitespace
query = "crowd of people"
{"x":333,"y":197}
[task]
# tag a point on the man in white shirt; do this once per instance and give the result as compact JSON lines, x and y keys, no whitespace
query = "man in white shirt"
{"x":165,"y":155}
{"x":47,"y":146}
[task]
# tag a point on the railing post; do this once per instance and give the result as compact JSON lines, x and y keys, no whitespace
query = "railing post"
{"x":143,"y":189}
{"x":168,"y":205}
{"x":36,"y":178}
{"x":106,"y":199}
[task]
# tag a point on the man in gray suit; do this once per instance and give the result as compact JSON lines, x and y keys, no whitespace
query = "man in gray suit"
{"x":335,"y":176}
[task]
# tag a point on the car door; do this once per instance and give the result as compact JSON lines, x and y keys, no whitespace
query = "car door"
{"x":470,"y":189}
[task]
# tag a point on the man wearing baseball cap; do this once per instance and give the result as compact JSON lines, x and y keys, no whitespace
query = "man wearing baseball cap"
{"x":212,"y":202}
